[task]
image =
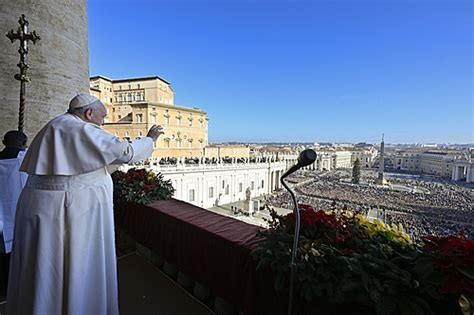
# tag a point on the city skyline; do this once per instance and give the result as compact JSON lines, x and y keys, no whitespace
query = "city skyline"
{"x":281,"y":71}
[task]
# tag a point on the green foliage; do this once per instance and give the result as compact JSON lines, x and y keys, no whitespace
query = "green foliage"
{"x":356,"y":172}
{"x":346,"y":259}
{"x":141,"y":186}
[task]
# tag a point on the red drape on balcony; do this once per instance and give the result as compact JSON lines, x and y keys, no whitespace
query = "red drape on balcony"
{"x":209,"y":248}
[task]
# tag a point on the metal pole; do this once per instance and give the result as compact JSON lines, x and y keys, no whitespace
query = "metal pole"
{"x":294,"y":251}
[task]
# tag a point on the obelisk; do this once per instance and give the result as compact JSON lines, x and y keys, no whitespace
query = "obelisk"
{"x":381,"y":179}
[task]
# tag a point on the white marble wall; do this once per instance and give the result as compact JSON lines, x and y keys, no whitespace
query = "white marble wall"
{"x":228,"y":181}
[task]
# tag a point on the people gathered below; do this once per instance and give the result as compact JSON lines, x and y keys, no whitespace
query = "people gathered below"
{"x":434,"y":208}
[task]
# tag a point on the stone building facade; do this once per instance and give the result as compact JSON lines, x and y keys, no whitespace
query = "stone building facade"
{"x":134,"y":105}
{"x":430,"y":162}
{"x":208,"y":185}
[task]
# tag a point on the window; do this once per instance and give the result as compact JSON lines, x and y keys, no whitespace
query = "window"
{"x":227,"y":189}
{"x":190,"y":122}
{"x":241,"y":187}
{"x":127,"y":134}
{"x":140,"y":134}
{"x":138,"y":86}
{"x":139,"y":118}
{"x":167,"y":120}
{"x":178,"y":143}
{"x":191,"y":195}
{"x":252,"y":185}
{"x":223,"y":184}
{"x":263,"y":184}
{"x":167,"y":143}
{"x":178,"y":121}
{"x":211,"y":192}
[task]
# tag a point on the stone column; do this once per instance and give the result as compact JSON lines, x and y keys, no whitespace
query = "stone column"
{"x":469,"y":175}
{"x":58,"y":63}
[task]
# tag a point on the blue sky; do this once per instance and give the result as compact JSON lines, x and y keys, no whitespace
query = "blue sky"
{"x":301,"y":71}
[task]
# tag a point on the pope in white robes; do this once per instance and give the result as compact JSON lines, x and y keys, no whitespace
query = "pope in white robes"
{"x":63,"y":257}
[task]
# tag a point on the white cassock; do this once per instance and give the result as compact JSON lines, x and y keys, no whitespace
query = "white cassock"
{"x":12,"y":182}
{"x":63,"y":258}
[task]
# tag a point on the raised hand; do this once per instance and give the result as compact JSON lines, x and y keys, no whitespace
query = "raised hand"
{"x":155,"y":131}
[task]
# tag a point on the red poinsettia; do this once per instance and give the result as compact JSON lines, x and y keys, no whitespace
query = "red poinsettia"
{"x":140,"y":186}
{"x":453,"y":258}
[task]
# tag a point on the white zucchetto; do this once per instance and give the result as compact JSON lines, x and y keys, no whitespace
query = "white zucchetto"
{"x":81,"y":100}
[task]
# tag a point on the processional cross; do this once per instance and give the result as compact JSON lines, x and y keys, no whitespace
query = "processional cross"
{"x":23,"y":36}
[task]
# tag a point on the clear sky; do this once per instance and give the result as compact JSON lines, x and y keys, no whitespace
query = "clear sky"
{"x":301,"y":71}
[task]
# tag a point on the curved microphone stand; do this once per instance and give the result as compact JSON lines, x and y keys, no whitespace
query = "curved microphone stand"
{"x":296,"y":237}
{"x":305,"y":158}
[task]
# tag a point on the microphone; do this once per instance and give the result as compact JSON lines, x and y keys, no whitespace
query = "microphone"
{"x":306,"y":157}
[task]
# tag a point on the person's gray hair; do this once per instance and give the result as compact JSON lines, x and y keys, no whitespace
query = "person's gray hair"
{"x":79,"y":111}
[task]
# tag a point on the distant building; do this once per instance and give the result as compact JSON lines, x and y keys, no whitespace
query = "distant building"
{"x":437,"y":163}
{"x":135,"y":104}
{"x":227,"y":151}
{"x":366,"y":157}
{"x":463,"y":170}
{"x":208,"y":185}
{"x":341,"y":159}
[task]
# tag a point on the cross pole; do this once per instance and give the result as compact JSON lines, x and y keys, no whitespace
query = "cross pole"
{"x":23,"y":36}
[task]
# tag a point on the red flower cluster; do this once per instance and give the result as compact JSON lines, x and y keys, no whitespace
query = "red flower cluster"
{"x":140,"y":186}
{"x":324,"y":226}
{"x":453,"y":256}
{"x":132,"y":175}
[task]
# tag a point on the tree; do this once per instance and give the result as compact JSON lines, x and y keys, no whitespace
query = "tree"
{"x":356,"y":172}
